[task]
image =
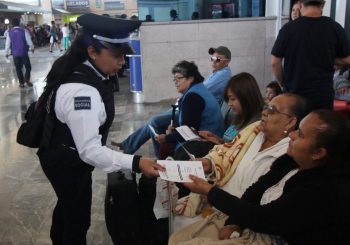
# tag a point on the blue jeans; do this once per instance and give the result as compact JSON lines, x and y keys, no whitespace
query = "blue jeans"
{"x":160,"y":123}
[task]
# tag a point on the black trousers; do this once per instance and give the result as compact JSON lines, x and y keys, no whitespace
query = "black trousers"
{"x":73,"y":187}
{"x":19,"y":63}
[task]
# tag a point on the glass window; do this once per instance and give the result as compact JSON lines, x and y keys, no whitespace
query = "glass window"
{"x":175,"y":10}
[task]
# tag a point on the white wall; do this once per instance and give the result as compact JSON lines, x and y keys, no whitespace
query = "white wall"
{"x":340,"y":12}
{"x":164,"y":44}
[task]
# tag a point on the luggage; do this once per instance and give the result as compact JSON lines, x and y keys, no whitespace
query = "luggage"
{"x":154,"y":232}
{"x":129,"y":213}
{"x":122,"y":208}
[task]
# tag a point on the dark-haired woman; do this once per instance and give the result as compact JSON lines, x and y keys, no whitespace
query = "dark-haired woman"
{"x":303,"y":199}
{"x":243,"y":96}
{"x":198,"y":108}
{"x":84,"y":112}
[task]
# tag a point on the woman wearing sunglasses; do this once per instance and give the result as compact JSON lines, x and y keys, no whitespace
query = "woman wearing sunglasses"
{"x":235,"y":166}
{"x":303,"y":199}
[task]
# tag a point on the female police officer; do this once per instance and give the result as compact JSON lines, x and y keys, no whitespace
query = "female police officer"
{"x":84,"y":111}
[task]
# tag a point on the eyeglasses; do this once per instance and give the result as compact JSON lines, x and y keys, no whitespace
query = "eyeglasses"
{"x":175,"y":79}
{"x":271,"y":109}
{"x":216,"y":59}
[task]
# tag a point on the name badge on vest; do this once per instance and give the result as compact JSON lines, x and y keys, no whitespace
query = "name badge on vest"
{"x":82,"y":103}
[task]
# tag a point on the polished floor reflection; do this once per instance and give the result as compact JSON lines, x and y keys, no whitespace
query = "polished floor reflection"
{"x":26,"y":197}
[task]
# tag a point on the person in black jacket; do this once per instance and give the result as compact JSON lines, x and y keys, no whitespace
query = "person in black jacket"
{"x":304,"y":198}
{"x":84,"y":112}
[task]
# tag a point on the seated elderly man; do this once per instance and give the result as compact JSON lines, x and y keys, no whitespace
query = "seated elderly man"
{"x":215,"y":83}
{"x":239,"y":164}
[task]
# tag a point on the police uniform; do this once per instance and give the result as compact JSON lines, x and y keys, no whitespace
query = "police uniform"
{"x":84,"y":111}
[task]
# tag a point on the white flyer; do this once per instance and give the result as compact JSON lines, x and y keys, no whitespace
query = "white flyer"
{"x":187,"y":133}
{"x":179,"y":171}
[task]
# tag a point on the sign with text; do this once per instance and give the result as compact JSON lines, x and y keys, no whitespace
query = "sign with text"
{"x":77,"y":4}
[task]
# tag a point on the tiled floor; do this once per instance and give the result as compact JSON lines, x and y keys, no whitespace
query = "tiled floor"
{"x":26,"y":197}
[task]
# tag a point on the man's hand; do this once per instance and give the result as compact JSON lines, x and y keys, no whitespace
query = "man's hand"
{"x":198,"y":185}
{"x":226,"y":231}
{"x":150,"y":168}
{"x":160,"y":138}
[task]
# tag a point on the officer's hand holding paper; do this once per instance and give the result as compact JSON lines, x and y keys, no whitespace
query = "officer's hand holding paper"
{"x":179,"y":171}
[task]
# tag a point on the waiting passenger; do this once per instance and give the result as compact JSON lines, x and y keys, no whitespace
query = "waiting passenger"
{"x":303,"y":199}
{"x":215,"y":83}
{"x":198,"y":108}
{"x":195,"y":15}
{"x":272,"y":90}
{"x":173,"y":15}
{"x":295,"y":13}
{"x":243,"y":95}
{"x":149,"y":18}
{"x":239,"y":164}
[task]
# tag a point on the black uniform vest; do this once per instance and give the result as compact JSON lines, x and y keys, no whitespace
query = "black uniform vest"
{"x":61,"y":134}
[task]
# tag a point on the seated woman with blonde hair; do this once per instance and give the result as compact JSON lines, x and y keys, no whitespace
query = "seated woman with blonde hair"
{"x":303,"y":199}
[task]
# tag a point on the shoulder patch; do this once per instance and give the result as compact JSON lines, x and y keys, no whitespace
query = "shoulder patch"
{"x":82,"y":103}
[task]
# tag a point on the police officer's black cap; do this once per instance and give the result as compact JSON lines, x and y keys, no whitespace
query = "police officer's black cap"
{"x":110,"y":32}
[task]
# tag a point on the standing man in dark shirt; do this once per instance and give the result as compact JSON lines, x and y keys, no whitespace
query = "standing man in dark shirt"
{"x":310,"y":46}
{"x":19,"y":42}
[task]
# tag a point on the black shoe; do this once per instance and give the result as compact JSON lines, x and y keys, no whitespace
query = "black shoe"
{"x":29,"y":84}
{"x":21,"y":85}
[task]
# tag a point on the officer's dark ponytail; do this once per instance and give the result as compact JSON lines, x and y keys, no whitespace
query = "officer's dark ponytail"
{"x":65,"y":65}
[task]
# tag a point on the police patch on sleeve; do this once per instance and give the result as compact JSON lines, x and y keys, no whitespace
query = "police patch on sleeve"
{"x":82,"y":103}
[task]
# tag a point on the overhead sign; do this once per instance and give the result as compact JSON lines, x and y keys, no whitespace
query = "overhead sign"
{"x":77,"y":4}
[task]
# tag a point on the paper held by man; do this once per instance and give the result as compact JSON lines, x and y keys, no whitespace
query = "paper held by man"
{"x":179,"y":171}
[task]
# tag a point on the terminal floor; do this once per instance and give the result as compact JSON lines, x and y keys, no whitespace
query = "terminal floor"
{"x":26,"y":197}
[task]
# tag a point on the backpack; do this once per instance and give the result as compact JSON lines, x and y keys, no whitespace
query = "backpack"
{"x":36,"y":130}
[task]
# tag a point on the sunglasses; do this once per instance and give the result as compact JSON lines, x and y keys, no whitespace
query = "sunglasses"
{"x":216,"y":59}
{"x":271,"y":109}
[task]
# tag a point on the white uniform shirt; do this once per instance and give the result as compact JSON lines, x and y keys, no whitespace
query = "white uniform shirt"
{"x":254,"y":164}
{"x":27,"y":37}
{"x":84,"y":125}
